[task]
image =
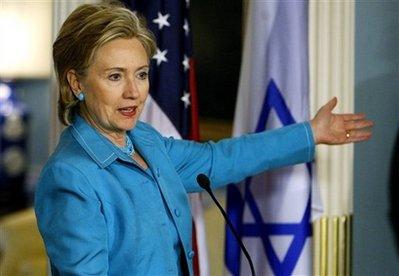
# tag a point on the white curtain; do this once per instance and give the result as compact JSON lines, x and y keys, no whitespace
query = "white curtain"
{"x":331,"y":36}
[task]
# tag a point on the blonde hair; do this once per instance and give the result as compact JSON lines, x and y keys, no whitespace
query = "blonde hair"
{"x":85,"y":30}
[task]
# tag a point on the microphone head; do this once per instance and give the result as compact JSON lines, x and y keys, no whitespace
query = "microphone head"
{"x":203,"y":181}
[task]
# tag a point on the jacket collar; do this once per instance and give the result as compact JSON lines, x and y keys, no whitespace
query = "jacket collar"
{"x":103,"y":151}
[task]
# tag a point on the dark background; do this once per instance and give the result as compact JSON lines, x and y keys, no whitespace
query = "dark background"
{"x":217,"y":38}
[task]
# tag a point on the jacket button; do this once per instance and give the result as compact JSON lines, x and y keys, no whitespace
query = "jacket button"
{"x":177,"y":212}
{"x":190,"y":254}
{"x":158,"y":173}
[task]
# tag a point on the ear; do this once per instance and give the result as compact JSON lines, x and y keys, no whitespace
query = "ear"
{"x":74,"y":83}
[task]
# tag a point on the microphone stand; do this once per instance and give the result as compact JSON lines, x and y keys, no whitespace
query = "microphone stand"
{"x":204,"y":183}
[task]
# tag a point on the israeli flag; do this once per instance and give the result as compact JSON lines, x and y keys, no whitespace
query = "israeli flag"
{"x":272,"y":211}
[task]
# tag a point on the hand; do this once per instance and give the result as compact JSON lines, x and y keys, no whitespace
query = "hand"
{"x":335,"y":129}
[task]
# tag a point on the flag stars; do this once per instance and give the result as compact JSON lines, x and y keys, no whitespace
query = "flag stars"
{"x":186,"y":99}
{"x":160,"y":56}
{"x":162,"y":20}
{"x":186,"y":64}
{"x":186,"y":28}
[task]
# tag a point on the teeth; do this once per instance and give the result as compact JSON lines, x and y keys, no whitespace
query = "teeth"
{"x":127,"y":109}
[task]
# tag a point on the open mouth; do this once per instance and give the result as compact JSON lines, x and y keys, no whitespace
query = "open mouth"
{"x":128,"y":111}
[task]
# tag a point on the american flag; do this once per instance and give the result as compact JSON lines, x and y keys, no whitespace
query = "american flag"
{"x":172,"y":105}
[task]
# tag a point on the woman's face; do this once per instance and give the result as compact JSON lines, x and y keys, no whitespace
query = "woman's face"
{"x":116,"y":86}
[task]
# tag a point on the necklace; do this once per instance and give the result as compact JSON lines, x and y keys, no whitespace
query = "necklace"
{"x":128,"y":149}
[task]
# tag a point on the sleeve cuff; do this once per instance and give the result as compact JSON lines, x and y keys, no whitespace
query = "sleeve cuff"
{"x":310,"y":140}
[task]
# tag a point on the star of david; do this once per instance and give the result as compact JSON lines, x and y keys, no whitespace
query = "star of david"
{"x":300,"y":231}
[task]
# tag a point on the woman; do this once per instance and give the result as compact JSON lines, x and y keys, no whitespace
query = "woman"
{"x":112,"y":199}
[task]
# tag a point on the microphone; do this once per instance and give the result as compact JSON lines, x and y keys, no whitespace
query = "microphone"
{"x":204,"y":182}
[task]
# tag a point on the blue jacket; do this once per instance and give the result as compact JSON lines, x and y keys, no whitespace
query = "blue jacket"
{"x":100,"y":214}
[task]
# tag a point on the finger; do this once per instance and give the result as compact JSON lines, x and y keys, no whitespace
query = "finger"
{"x":331,"y":104}
{"x":359,"y":124}
{"x":352,"y":117}
{"x":358,"y":136}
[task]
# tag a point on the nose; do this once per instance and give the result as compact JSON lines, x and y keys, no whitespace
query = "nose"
{"x":131,"y":89}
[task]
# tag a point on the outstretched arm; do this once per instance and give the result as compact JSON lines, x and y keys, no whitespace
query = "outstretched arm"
{"x":335,"y":129}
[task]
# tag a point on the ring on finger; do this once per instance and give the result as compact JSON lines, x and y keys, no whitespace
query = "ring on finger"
{"x":347,"y":135}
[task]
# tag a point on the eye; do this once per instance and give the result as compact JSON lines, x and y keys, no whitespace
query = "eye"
{"x":114,"y":77}
{"x":143,"y":75}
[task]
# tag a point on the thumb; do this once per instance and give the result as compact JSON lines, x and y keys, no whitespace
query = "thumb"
{"x":331,"y":104}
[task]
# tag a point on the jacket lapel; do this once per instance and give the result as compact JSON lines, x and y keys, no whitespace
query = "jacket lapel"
{"x":144,"y":143}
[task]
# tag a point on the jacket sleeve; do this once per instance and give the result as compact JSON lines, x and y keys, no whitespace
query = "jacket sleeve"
{"x":232,"y":160}
{"x":71,"y":222}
